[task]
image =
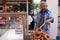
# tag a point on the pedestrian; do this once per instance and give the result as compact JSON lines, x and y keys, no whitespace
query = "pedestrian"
{"x":44,"y":16}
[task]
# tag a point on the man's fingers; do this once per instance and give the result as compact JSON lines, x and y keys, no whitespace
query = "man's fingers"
{"x":47,"y":22}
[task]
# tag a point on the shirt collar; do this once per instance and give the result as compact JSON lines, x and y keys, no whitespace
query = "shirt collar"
{"x":46,"y":11}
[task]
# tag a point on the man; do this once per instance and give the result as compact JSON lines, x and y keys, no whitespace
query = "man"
{"x":44,"y":16}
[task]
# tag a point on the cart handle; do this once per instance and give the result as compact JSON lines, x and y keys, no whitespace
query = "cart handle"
{"x":42,"y":25}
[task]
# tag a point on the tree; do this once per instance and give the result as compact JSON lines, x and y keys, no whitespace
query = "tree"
{"x":31,"y":6}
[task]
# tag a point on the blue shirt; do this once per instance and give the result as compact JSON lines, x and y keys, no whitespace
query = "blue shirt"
{"x":48,"y":15}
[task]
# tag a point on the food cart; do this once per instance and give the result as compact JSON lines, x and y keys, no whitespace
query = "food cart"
{"x":23,"y":15}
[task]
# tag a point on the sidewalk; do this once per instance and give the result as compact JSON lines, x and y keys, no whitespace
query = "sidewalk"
{"x":11,"y":35}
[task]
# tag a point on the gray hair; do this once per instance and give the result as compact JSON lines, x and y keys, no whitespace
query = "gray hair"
{"x":43,"y":2}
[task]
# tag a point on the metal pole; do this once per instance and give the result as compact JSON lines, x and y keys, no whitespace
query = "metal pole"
{"x":27,"y":7}
{"x":27,"y":18}
{"x":27,"y":13}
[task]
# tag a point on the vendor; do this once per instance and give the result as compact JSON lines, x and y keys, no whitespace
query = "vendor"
{"x":44,"y":16}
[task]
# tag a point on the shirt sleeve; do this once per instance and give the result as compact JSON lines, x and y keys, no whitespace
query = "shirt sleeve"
{"x":51,"y":17}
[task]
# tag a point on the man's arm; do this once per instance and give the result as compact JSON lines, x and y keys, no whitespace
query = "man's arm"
{"x":50,"y":19}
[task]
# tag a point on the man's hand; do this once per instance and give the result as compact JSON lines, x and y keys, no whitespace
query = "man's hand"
{"x":48,"y":21}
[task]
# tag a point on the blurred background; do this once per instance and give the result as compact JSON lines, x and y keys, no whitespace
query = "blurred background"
{"x":16,"y":6}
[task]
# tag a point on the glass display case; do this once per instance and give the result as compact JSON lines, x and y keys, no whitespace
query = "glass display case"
{"x":15,"y":26}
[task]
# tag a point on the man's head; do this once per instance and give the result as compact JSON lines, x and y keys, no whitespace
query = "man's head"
{"x":44,"y":5}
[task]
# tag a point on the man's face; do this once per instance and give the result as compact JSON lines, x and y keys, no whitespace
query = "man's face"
{"x":43,"y":6}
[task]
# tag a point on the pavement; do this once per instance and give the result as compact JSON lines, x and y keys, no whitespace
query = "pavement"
{"x":14,"y":32}
{"x":11,"y":35}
